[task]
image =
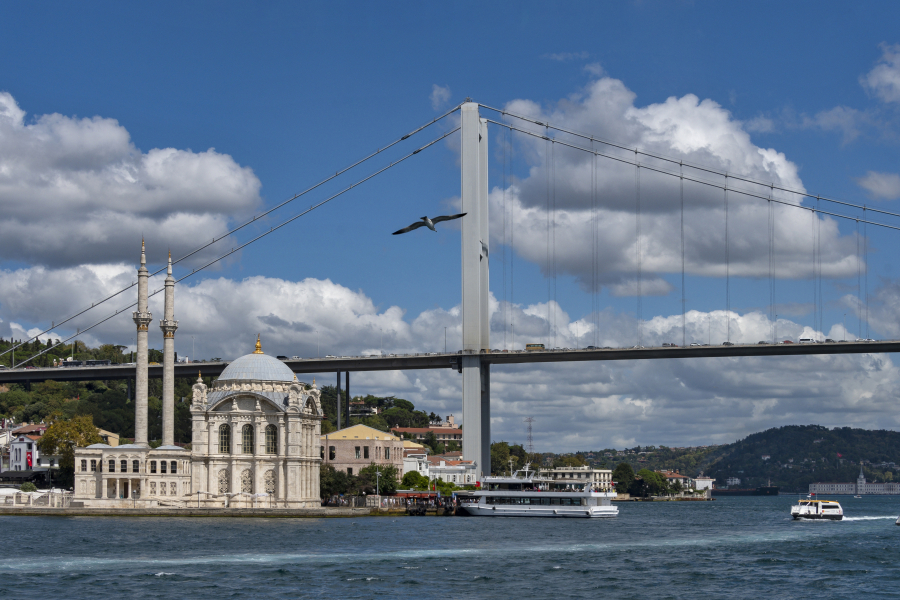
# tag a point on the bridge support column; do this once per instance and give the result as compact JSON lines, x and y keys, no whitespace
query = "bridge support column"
{"x":475,"y":286}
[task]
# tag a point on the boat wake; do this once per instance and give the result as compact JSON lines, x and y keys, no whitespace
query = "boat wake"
{"x":867,"y":518}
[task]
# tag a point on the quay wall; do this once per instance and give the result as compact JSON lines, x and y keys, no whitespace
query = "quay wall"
{"x":314,"y":513}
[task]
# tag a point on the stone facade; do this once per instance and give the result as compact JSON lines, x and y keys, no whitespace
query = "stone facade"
{"x":254,"y":437}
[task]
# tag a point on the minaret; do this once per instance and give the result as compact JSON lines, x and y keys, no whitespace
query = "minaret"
{"x":168,"y":325}
{"x":142,"y":318}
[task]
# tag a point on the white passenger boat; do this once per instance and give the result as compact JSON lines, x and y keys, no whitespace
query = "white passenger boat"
{"x":818,"y":509}
{"x":524,"y":494}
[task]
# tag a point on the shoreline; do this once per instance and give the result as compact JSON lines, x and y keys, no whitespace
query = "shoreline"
{"x":276,"y":513}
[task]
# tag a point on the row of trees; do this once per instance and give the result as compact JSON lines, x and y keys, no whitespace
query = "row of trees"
{"x":642,"y":484}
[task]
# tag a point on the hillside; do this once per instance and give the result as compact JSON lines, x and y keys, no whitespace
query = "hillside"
{"x":791,"y":457}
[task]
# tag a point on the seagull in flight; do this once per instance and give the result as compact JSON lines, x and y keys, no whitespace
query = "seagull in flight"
{"x":429,"y":223}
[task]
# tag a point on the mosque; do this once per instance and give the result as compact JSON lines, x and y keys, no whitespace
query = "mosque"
{"x":254,"y":440}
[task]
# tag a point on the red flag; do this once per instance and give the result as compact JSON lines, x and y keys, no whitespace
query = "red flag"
{"x":28,"y":458}
{"x":839,"y":455}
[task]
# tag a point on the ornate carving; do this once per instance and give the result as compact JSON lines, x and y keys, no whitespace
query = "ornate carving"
{"x":168,"y":327}
{"x":173,"y":489}
{"x":223,"y":481}
{"x":269,"y":479}
{"x":142,"y":320}
{"x":246,"y":482}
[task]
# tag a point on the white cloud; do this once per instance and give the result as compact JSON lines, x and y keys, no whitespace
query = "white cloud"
{"x":760,"y":124}
{"x":689,"y":129}
{"x":884,"y":79}
{"x":76,"y":191}
{"x":439,"y":96}
{"x":565,"y":56}
{"x":843,"y":119}
{"x":595,"y":69}
{"x":577,"y":406}
{"x":881,"y":186}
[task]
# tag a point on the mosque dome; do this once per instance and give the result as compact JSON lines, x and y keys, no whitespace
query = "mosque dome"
{"x":258,"y":367}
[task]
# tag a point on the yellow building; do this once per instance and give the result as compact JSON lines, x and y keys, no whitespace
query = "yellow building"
{"x":356,"y":447}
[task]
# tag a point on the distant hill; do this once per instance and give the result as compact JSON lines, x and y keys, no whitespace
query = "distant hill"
{"x":791,"y":457}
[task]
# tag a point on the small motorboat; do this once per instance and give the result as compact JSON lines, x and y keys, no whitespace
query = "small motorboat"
{"x":829,"y":510}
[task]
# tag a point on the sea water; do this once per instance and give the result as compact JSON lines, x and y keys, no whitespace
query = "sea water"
{"x":742,"y":547}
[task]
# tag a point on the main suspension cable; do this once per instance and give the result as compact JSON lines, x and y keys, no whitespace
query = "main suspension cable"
{"x":251,"y":241}
{"x":705,"y":182}
{"x":698,"y":167}
{"x":255,"y":218}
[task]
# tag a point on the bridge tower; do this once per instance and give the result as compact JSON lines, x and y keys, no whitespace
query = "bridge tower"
{"x":475,"y":285}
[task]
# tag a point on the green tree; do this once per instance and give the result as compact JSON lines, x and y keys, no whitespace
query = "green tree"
{"x":653,"y":483}
{"x":62,"y":437}
{"x":387,"y":481}
{"x":333,"y":482}
{"x":623,"y":475}
{"x":27,"y":487}
{"x":414,"y":481}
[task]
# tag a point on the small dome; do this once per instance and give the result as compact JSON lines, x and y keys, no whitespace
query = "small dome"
{"x":258,"y":367}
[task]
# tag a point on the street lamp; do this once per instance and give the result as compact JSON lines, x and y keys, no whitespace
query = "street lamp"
{"x":775,"y":341}
{"x":192,"y":349}
{"x":317,"y":344}
{"x":844,"y":327}
{"x":445,"y":340}
{"x":382,"y":340}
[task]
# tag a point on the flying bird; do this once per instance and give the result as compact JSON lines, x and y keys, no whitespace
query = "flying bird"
{"x":429,"y":223}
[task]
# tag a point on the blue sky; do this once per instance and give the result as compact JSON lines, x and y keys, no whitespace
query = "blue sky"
{"x":287,"y":94}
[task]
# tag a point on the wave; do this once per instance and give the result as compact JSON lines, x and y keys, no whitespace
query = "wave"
{"x":867,"y":518}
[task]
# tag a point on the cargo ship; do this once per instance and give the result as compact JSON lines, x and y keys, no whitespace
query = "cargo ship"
{"x":763,"y":490}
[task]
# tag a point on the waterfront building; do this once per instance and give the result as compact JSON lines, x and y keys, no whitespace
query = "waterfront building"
{"x":674,"y":476}
{"x":600,"y":478}
{"x":255,"y":434}
{"x":703,"y":483}
{"x":354,"y":448}
{"x":858,"y":488}
{"x":459,"y":472}
{"x":444,"y":435}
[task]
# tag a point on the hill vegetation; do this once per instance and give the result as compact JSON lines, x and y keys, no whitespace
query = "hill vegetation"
{"x":791,"y":457}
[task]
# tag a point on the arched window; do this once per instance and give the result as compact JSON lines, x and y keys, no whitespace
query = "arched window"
{"x":135,"y":466}
{"x":271,"y":439}
{"x":112,"y":465}
{"x":225,"y":439}
{"x":83,"y":466}
{"x":162,"y":466}
{"x":123,"y":466}
{"x":174,"y":467}
{"x":94,"y":466}
{"x":247,"y":439}
{"x":153,"y":466}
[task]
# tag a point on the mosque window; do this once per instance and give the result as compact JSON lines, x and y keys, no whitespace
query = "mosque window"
{"x":112,"y":465}
{"x":247,"y":439}
{"x":153,"y":466}
{"x":135,"y":466}
{"x":225,"y":439}
{"x":331,"y":453}
{"x":272,"y":439}
{"x":387,"y":453}
{"x":123,"y":466}
{"x":174,"y":466}
{"x":84,"y":466}
{"x":162,"y":466}
{"x":223,"y":481}
{"x":93,"y":466}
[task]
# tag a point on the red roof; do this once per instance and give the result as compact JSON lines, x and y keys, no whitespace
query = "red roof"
{"x":39,"y":428}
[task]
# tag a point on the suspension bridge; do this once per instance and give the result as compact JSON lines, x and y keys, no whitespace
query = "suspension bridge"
{"x":476,"y":357}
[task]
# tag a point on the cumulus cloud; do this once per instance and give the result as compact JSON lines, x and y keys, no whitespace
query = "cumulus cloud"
{"x":577,"y":406}
{"x":439,"y":96}
{"x":884,"y":79}
{"x":77,"y":190}
{"x":689,"y":129}
{"x":881,"y":186}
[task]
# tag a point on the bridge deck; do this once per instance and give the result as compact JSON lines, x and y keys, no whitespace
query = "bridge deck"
{"x":405,"y":362}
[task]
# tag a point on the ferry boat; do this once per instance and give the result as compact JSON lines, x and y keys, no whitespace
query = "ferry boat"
{"x":818,"y":509}
{"x":525,"y":494}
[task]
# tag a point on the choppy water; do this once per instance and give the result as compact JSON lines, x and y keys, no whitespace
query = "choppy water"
{"x":733,"y":547}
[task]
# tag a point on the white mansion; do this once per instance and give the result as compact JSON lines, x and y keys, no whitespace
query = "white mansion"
{"x":856,"y":489}
{"x":255,"y":436}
